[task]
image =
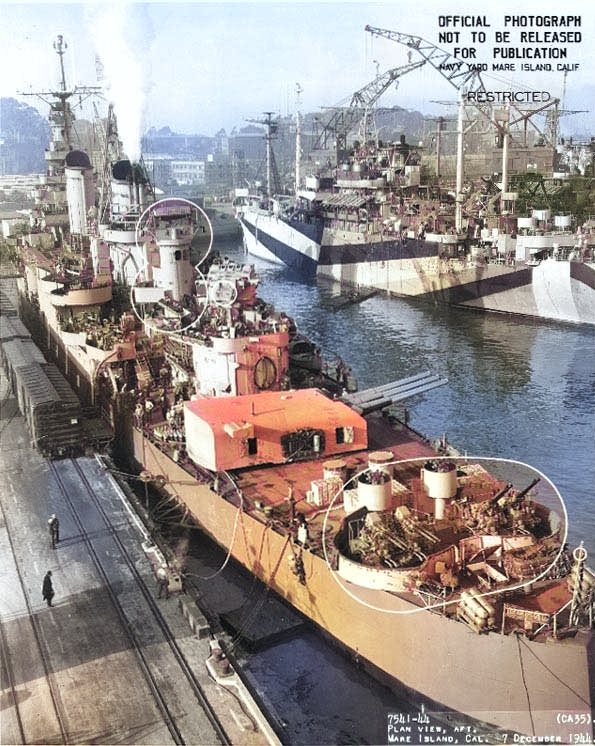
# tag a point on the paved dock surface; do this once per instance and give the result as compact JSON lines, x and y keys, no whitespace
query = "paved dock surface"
{"x":71,"y":673}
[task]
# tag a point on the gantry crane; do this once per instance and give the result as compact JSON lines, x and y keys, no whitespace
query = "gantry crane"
{"x":459,"y":74}
{"x":344,"y":119}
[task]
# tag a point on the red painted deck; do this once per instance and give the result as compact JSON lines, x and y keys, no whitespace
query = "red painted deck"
{"x":269,"y":484}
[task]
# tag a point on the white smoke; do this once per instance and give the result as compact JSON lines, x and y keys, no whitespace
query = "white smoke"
{"x":123,"y":34}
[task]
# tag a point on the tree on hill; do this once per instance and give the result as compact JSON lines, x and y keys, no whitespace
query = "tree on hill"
{"x":24,"y":135}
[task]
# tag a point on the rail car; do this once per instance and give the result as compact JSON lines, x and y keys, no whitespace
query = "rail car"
{"x":51,"y":409}
{"x":7,"y":307}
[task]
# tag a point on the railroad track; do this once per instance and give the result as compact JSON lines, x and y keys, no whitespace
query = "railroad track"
{"x":143,"y":628}
{"x":35,"y":631}
{"x":59,"y":470}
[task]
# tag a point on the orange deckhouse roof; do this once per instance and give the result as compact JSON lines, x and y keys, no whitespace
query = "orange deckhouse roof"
{"x":270,"y":427}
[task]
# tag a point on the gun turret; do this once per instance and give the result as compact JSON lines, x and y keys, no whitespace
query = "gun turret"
{"x":515,"y":499}
{"x":524,"y":492}
{"x":494,"y":500}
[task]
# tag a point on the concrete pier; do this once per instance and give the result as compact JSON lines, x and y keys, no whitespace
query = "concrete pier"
{"x":69,"y":673}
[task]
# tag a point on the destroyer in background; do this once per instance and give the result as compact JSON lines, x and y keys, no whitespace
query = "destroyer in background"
{"x":445,"y":576}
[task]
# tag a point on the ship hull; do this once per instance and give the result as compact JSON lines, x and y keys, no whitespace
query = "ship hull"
{"x":289,"y":242}
{"x":553,"y":290}
{"x":506,"y":681}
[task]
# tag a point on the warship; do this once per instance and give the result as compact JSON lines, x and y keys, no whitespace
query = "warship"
{"x":445,"y":576}
{"x":385,"y":216}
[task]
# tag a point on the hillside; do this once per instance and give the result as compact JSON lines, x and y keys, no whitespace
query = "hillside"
{"x":24,"y":136}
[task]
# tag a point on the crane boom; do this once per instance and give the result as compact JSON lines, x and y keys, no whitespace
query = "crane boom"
{"x":344,"y":120}
{"x":459,"y":74}
{"x":370,"y":93}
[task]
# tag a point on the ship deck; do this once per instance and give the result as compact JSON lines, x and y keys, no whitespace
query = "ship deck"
{"x":266,"y":490}
{"x":278,"y":495}
{"x":275,"y":494}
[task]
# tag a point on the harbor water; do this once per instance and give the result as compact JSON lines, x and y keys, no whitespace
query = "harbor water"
{"x":517,"y":388}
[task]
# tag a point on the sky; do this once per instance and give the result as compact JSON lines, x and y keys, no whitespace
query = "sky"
{"x":198,"y":66}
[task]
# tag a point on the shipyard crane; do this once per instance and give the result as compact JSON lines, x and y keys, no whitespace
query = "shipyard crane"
{"x":466,"y":77}
{"x":344,"y":119}
{"x":460,"y":75}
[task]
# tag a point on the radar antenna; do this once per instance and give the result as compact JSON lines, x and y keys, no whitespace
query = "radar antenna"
{"x":60,"y":46}
{"x":61,"y":115}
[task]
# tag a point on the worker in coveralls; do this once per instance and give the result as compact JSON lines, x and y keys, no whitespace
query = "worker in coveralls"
{"x":162,"y":582}
{"x":54,"y":529}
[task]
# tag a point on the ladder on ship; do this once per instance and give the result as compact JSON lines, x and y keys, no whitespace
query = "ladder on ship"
{"x":143,"y":372}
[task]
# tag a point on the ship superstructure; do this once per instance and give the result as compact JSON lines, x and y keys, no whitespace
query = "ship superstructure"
{"x":117,"y":299}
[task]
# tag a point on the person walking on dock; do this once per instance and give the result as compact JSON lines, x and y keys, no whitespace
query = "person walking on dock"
{"x":54,"y":529}
{"x":47,"y":589}
{"x":162,"y":582}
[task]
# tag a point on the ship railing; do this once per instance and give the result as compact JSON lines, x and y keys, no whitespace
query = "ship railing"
{"x":551,"y":627}
{"x":544,"y":627}
{"x":69,"y":286}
